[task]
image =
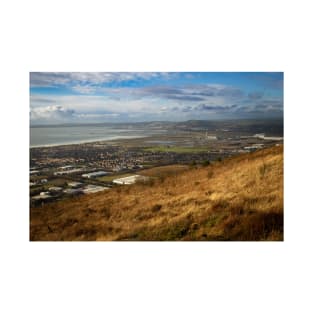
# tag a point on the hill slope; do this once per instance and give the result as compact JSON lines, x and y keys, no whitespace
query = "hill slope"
{"x":237,"y":199}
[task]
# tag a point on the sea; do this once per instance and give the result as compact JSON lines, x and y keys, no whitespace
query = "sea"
{"x":65,"y":135}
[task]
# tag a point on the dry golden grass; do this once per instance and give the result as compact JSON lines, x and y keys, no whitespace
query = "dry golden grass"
{"x":162,"y":171}
{"x":237,"y":199}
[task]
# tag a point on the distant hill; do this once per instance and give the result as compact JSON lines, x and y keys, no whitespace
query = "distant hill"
{"x":272,"y":127}
{"x":240,"y":198}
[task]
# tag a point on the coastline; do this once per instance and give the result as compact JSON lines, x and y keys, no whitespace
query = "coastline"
{"x":79,"y":142}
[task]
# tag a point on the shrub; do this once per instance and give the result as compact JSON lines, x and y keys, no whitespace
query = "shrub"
{"x":210,"y":173}
{"x":193,"y":163}
{"x":206,"y":163}
{"x":263,"y":169}
{"x":156,"y":208}
{"x":194,"y":226}
{"x":161,"y":179}
{"x":219,"y":204}
{"x":105,"y":212}
{"x":236,"y":210}
{"x":70,"y":222}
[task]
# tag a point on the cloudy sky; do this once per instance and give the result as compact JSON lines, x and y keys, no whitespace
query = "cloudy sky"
{"x":74,"y":97}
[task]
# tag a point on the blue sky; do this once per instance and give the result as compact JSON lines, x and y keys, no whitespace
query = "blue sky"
{"x":78,"y":97}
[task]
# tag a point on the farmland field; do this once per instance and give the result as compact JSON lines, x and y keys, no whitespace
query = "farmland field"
{"x":164,"y":170}
{"x":178,"y":149}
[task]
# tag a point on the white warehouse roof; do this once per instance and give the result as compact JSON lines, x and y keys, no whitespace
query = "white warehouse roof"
{"x":128,"y":180}
{"x":75,"y":170}
{"x":94,"y":188}
{"x":74,"y":184}
{"x":95,"y":174}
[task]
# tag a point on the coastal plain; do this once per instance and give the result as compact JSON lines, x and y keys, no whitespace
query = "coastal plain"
{"x":183,"y":174}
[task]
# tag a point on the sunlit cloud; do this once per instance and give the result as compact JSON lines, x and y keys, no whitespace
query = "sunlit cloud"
{"x":139,"y":96}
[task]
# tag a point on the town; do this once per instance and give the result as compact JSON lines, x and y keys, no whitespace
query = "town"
{"x":59,"y":172}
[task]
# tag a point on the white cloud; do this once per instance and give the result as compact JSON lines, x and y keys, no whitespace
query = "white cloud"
{"x":85,"y":89}
{"x":95,"y":104}
{"x":53,"y":113}
{"x":151,"y":102}
{"x":59,"y":114}
{"x":84,"y":82}
{"x":190,"y":93}
{"x":97,"y":116}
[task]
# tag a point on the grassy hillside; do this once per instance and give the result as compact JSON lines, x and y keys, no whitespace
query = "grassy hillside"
{"x":237,"y":199}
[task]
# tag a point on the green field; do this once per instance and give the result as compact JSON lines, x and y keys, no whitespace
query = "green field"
{"x":177,"y":149}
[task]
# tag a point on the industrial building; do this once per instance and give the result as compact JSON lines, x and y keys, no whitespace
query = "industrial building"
{"x":45,"y":193}
{"x":94,"y":189}
{"x":254,"y":146}
{"x":262,"y":136}
{"x":273,"y":138}
{"x":42,"y":197}
{"x":71,"y":191}
{"x":210,"y":136}
{"x":95,"y":174}
{"x":55,"y":189}
{"x":66,"y":167}
{"x":75,"y":170}
{"x":74,"y":184}
{"x":128,"y":180}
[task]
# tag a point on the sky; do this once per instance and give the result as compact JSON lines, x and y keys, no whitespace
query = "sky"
{"x":95,"y":97}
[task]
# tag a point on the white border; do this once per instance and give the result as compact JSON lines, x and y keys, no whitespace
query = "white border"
{"x":155,"y":36}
